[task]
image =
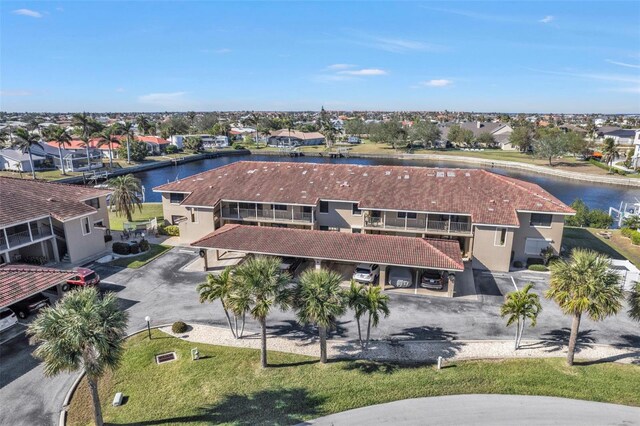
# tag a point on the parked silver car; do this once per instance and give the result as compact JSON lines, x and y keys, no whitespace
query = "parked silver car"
{"x":366,"y":273}
{"x":7,"y":319}
{"x":400,"y":277}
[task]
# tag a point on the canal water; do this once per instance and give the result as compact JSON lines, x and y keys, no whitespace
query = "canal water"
{"x":594,"y":195}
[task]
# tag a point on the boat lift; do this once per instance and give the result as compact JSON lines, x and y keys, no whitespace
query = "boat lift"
{"x":626,"y":210}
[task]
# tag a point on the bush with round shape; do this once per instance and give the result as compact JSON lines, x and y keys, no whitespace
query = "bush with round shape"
{"x":144,"y":245}
{"x":135,"y":248}
{"x":538,"y":268}
{"x":179,"y":327}
{"x":518,"y":264}
{"x":121,"y":248}
{"x":171,"y":149}
{"x":170,"y":230}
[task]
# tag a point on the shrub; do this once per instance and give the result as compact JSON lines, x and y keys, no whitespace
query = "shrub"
{"x":171,"y":149}
{"x":517,"y":264}
{"x":538,"y":268}
{"x":144,"y":245}
{"x":635,"y":239}
{"x":179,"y":327}
{"x":600,"y":219}
{"x":121,"y":248}
{"x":237,"y":145}
{"x":633,"y":234}
{"x":171,"y":230}
{"x":135,"y":248}
{"x":586,"y":217}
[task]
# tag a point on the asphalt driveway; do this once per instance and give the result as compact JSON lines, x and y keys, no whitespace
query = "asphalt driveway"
{"x":166,"y":293}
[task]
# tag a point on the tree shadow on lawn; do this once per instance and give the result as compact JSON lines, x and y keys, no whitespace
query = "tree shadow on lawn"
{"x":556,"y":340}
{"x":293,"y":329}
{"x":267,"y":407}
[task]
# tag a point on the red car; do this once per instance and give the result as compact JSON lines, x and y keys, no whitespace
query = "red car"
{"x":84,"y":277}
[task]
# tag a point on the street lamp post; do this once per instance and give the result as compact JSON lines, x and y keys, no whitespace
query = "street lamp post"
{"x":148,"y":320}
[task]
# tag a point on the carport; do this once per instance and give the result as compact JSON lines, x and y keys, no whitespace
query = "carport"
{"x":326,"y":246}
{"x":18,"y":282}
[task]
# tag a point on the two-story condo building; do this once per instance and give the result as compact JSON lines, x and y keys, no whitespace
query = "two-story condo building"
{"x":51,"y":221}
{"x":492,"y":219}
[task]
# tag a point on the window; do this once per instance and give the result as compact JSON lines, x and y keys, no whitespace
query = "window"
{"x":99,"y":223}
{"x":356,"y":231}
{"x":500,"y":238}
{"x":280,"y":207}
{"x":248,"y":206}
{"x":533,"y":246}
{"x":355,"y":210}
{"x":402,"y":215}
{"x":194,"y":216}
{"x":324,"y":207}
{"x":324,"y":228}
{"x":541,"y":219}
{"x":306,"y":209}
{"x":86,"y":226}
{"x":175,"y":198}
{"x":94,"y":202}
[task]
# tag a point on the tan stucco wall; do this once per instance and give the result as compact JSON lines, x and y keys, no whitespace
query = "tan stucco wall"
{"x":203,"y":225}
{"x":340,"y":216}
{"x":169,"y":209}
{"x":103,"y":213}
{"x":486,"y":255}
{"x":81,"y":246}
{"x":525,"y":231}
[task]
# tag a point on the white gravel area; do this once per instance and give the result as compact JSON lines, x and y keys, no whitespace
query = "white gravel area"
{"x":408,"y":351}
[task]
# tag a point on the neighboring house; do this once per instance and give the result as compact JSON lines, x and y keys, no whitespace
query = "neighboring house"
{"x":284,"y":137}
{"x":354,"y":139}
{"x":74,"y":154}
{"x":493,"y":220}
{"x":499,"y":131}
{"x":208,"y":141}
{"x":155,"y":144}
{"x":619,"y":135}
{"x":16,"y":160}
{"x":635,"y":160}
{"x":51,"y":220}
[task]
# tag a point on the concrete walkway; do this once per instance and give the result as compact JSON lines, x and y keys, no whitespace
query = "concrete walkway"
{"x":406,"y":351}
{"x":489,"y":410}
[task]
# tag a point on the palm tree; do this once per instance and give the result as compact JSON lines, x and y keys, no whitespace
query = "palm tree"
{"x":376,"y":303}
{"x":584,"y":285}
{"x":632,"y":222}
{"x":520,"y":306}
{"x":126,"y":129}
{"x":107,"y":136}
{"x":265,"y":285}
{"x":84,"y":330}
{"x":356,"y":301}
{"x":61,"y":137}
{"x":329,"y":132}
{"x":634,"y":302}
{"x":26,"y":140}
{"x":126,"y":195}
{"x":319,"y":299}
{"x":609,"y":152}
{"x":143,"y":124}
{"x":85,"y":126}
{"x":218,"y":287}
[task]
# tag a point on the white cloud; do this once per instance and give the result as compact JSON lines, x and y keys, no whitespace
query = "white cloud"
{"x":340,"y":66}
{"x":120,"y":90}
{"x":165,"y":100}
{"x":622,"y":64}
{"x":436,"y":83}
{"x":364,"y":72}
{"x":547,"y":19}
{"x":16,"y":93}
{"x":28,"y":12}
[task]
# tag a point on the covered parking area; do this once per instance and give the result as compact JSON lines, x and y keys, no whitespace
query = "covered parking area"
{"x":341,"y":250}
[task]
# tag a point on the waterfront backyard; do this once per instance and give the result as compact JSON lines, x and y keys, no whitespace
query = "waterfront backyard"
{"x":227,"y":386}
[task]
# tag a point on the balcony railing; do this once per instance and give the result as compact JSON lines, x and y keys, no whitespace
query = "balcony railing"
{"x":17,"y":239}
{"x":266,"y":215}
{"x":419,"y":224}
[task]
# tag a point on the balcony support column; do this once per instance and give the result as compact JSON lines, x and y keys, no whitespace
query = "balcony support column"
{"x":29,"y":228}
{"x":238,"y":210}
{"x":384,"y":220}
{"x":426,"y":222}
{"x":406,"y":220}
{"x":6,"y":238}
{"x":449,"y":225}
{"x":292,"y":211}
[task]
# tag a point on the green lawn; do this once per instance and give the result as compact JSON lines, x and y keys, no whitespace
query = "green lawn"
{"x":617,"y":247}
{"x":155,"y":250}
{"x":227,"y":386}
{"x":149,"y":211}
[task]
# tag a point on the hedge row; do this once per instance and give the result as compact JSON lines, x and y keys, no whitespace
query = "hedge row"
{"x":170,"y":230}
{"x":633,"y":234}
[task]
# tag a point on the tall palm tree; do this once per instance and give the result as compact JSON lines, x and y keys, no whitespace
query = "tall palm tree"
{"x":609,"y":152}
{"x":126,"y":129}
{"x":356,"y":301}
{"x":584,"y":284}
{"x":319,"y":299}
{"x":126,"y":195}
{"x":376,"y":303}
{"x":634,"y":302}
{"x":85,"y":126}
{"x":108,"y":136}
{"x":218,"y":287}
{"x":61,"y":137}
{"x":83,"y":330}
{"x":520,"y":306}
{"x":26,"y":140}
{"x":143,"y":124}
{"x":265,"y":285}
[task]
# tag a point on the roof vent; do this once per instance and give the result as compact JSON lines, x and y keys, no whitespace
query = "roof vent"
{"x":365,"y":174}
{"x":387,"y":173}
{"x":467,"y":174}
{"x":492,"y":201}
{"x":210,"y":186}
{"x":406,"y":176}
{"x":258,"y":194}
{"x":53,"y":200}
{"x":251,"y":171}
{"x":451,"y":174}
{"x":304,"y":172}
{"x":281,"y":189}
{"x":345,"y":183}
{"x":490,"y":209}
{"x":439,"y":174}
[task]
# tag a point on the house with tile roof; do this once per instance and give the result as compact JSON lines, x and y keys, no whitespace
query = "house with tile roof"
{"x":51,"y":221}
{"x":493,"y":220}
{"x":284,"y":137}
{"x":499,"y":131}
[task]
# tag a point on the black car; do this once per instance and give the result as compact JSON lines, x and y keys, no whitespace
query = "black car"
{"x":30,"y":305}
{"x":433,"y":280}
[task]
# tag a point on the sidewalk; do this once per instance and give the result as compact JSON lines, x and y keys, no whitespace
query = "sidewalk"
{"x":410,"y":351}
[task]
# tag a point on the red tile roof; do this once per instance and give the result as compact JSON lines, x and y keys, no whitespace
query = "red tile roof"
{"x":17,"y":282}
{"x":93,"y":142}
{"x":488,"y":197}
{"x":24,"y":199}
{"x":340,"y":246}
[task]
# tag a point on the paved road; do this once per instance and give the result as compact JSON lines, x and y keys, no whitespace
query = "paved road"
{"x":165,"y":292}
{"x":489,"y":410}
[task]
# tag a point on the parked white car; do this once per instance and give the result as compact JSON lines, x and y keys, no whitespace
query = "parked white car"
{"x":7,"y":319}
{"x":366,"y":273}
{"x":400,"y":277}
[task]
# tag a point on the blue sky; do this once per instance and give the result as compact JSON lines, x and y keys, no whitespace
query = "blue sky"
{"x":579,"y":56}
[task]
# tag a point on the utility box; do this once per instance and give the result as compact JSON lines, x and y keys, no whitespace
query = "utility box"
{"x":117,"y":400}
{"x":195,"y":355}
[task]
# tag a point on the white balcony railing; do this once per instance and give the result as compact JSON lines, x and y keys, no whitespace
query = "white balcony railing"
{"x":418,"y":224}
{"x":267,"y":215}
